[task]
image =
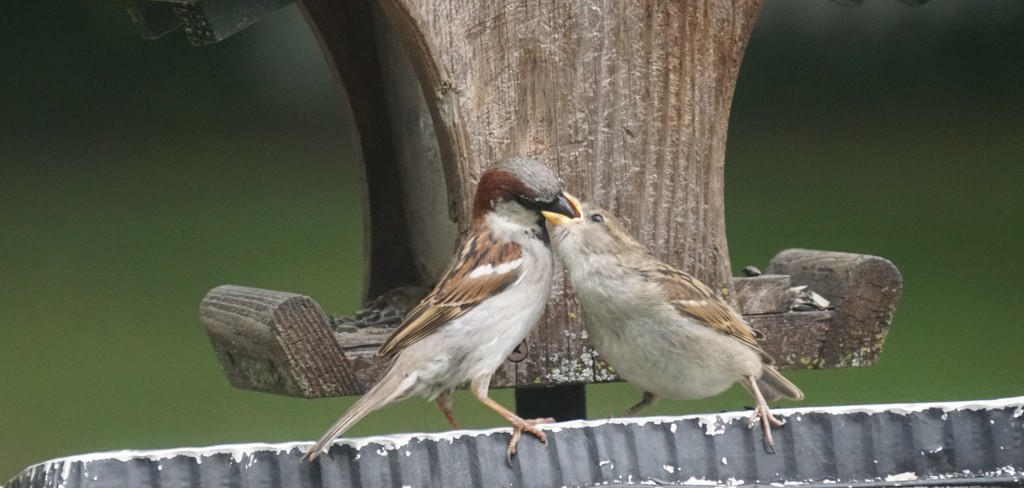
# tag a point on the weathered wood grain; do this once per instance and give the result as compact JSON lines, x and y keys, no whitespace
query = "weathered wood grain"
{"x":629,"y":100}
{"x":276,"y":342}
{"x":794,"y":339}
{"x":864,"y":291}
{"x":763,"y":294}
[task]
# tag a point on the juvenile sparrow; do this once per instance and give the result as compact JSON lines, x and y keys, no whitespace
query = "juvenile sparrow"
{"x":660,"y":328}
{"x":490,"y":296}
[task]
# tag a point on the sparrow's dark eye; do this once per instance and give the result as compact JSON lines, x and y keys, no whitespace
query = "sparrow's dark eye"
{"x":597,"y":218}
{"x":530,"y":203}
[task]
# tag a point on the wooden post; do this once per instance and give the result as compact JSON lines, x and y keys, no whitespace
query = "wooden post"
{"x":628,"y":100}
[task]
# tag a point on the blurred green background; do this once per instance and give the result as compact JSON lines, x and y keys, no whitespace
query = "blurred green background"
{"x":136,"y":175}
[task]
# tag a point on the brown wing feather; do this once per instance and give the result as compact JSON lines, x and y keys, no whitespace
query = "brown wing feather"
{"x":457,"y":292}
{"x":695,"y":300}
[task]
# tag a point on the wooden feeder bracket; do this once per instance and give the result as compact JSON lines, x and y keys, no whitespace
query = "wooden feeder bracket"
{"x":284,"y":343}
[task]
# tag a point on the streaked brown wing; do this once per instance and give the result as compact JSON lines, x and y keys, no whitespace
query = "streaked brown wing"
{"x":483,"y":268}
{"x":695,"y":300}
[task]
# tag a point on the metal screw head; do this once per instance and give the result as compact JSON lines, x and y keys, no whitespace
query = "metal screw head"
{"x":519,"y":353}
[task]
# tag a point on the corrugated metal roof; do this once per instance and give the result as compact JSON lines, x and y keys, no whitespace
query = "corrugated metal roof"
{"x":942,"y":444}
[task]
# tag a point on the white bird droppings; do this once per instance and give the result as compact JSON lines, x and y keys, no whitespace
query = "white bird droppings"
{"x":907,"y":476}
{"x":695,"y":481}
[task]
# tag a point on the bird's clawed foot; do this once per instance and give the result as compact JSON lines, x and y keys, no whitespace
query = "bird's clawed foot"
{"x":518,"y":426}
{"x":763,"y":414}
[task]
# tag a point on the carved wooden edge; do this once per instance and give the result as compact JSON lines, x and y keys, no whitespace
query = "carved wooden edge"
{"x":864,"y":291}
{"x":276,"y":342}
{"x":284,"y":343}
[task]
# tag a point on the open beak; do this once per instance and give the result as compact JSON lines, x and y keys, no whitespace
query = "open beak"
{"x":564,"y":210}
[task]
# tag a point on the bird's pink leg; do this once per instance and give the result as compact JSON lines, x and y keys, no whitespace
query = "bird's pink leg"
{"x":444,"y":402}
{"x":519,"y":424}
{"x":764,"y":414}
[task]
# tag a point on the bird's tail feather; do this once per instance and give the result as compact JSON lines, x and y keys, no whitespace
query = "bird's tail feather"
{"x":774,"y":386}
{"x":392,"y":388}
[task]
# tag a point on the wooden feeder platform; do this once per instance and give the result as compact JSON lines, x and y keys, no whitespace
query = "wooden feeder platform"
{"x":284,"y":343}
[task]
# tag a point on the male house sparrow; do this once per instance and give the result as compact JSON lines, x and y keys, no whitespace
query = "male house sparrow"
{"x":490,"y":296}
{"x":660,"y":328}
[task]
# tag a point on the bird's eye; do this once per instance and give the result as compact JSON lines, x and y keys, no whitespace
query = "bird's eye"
{"x":530,"y":203}
{"x":597,"y":218}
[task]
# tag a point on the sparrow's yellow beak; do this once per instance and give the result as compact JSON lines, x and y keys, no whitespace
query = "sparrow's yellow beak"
{"x":566,"y":210}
